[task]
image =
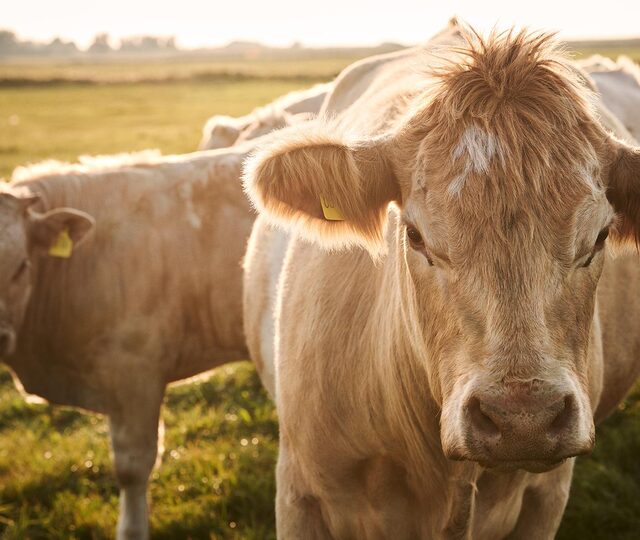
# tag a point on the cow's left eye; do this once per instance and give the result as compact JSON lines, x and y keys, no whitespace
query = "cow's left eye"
{"x":597,"y":247}
{"x":22,"y":269}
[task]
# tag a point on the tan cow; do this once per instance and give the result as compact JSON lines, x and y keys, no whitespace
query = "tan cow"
{"x":152,"y":296}
{"x":221,"y":131}
{"x":431,"y":306}
{"x":618,"y":84}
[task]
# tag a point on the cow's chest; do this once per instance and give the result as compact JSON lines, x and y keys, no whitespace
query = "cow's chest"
{"x":498,"y":504}
{"x":374,"y":499}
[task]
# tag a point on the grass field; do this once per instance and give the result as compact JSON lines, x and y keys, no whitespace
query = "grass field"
{"x":216,"y":479}
{"x":115,"y":69}
{"x":63,"y":121}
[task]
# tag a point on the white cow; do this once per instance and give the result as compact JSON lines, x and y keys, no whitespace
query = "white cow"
{"x":104,"y":321}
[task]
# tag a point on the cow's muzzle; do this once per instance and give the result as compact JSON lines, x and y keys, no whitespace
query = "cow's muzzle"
{"x":523,"y":425}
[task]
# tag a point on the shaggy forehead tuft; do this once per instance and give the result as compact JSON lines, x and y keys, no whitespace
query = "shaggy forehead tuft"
{"x":508,"y":66}
{"x":510,"y":108}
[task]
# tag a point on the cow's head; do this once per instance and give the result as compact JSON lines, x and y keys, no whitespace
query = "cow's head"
{"x":508,"y":190}
{"x":222,"y":131}
{"x":24,"y":235}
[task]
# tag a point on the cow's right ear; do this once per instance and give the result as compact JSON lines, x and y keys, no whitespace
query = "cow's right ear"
{"x":335,"y":192}
{"x":623,"y":190}
{"x":51,"y":232}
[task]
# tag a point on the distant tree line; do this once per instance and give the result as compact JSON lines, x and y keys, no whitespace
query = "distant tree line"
{"x":11,"y":45}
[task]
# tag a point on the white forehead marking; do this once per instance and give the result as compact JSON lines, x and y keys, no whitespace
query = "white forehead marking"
{"x":479,"y":147}
{"x":587,"y":173}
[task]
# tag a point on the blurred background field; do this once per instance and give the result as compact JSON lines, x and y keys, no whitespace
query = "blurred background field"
{"x":60,"y":112}
{"x":62,"y":121}
{"x":174,"y":68}
{"x":217,"y":475}
{"x":61,"y":108}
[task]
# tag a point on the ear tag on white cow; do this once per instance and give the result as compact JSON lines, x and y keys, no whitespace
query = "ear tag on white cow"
{"x":63,"y":246}
{"x":331,"y":213}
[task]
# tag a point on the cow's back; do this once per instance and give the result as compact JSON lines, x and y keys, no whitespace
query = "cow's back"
{"x":305,"y":101}
{"x":622,"y":95}
{"x":356,"y":79}
{"x":378,"y":78}
{"x":618,"y":84}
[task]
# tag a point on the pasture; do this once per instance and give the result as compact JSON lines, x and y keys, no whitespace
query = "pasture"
{"x":217,"y":474}
{"x":65,"y":120}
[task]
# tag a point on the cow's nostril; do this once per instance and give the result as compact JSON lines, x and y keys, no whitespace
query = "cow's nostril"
{"x":482,"y":422}
{"x":564,"y":416}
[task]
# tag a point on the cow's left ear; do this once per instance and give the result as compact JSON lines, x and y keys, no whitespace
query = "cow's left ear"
{"x":48,"y":230}
{"x":623,"y":190}
{"x":334,"y":191}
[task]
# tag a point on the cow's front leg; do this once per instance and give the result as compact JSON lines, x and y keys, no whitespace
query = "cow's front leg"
{"x":543,"y":504}
{"x":298,"y":515}
{"x":133,"y":424}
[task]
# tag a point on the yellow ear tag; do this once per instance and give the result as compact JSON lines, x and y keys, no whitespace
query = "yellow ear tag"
{"x":331,"y":213}
{"x":63,"y":246}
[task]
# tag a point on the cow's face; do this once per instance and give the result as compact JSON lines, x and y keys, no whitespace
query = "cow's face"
{"x":505,"y":263}
{"x":25,"y":235}
{"x":506,"y":200}
{"x":504,"y":290}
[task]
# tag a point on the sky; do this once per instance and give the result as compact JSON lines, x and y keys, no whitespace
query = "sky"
{"x":198,"y":23}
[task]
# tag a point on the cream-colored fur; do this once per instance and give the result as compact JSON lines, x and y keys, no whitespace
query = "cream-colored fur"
{"x":152,"y":296}
{"x":376,"y":358}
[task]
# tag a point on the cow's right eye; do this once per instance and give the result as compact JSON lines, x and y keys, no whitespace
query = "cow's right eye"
{"x":415,"y":238}
{"x":416,"y":242}
{"x":22,"y":269}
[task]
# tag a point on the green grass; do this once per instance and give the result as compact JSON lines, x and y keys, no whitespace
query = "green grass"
{"x":64,"y":121}
{"x":605,"y":494}
{"x":216,"y":478}
{"x":56,"y":477}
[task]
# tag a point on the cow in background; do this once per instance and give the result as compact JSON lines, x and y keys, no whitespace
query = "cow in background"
{"x":221,"y":131}
{"x":618,"y":84}
{"x":104,"y":321}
